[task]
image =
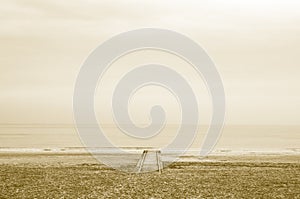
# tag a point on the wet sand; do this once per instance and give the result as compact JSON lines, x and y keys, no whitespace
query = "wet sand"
{"x":81,"y":176}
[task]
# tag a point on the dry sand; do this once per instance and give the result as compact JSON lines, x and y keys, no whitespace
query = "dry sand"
{"x":81,"y":176}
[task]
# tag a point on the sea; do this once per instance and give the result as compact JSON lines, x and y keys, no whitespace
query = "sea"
{"x":234,"y":139}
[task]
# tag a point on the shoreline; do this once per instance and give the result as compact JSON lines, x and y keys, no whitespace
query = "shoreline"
{"x":86,"y":158}
{"x":134,"y":150}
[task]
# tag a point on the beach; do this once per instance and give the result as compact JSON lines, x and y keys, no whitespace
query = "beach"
{"x":54,"y":175}
{"x":51,"y":162}
{"x":253,"y":162}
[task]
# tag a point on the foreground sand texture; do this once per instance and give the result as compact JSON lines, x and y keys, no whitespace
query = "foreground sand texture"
{"x":75,"y":176}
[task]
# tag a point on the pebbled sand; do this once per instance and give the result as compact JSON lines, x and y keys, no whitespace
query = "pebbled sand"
{"x":81,"y":176}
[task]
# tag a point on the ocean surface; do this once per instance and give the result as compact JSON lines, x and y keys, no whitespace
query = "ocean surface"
{"x":234,"y":139}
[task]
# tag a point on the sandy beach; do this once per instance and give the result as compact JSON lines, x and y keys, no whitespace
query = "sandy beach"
{"x":81,"y":176}
{"x":52,"y":163}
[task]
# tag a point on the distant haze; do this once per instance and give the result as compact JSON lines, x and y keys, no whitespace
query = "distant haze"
{"x":255,"y":46}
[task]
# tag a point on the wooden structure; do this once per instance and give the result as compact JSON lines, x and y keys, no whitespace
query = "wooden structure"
{"x":150,"y":160}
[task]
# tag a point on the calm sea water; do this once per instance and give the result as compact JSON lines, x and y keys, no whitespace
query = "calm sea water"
{"x":236,"y":138}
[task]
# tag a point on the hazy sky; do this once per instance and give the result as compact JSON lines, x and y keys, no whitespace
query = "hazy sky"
{"x":255,"y":46}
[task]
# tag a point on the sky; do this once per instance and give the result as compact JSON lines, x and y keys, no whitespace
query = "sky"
{"x":255,"y":46}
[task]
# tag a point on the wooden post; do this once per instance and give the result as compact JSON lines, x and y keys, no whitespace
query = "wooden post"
{"x":146,"y":153}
